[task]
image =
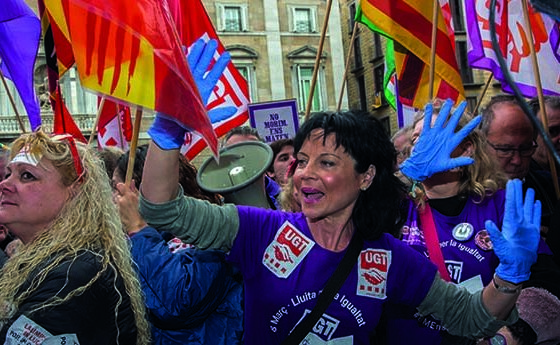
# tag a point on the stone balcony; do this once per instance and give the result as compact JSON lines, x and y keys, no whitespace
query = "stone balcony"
{"x":10,"y":129}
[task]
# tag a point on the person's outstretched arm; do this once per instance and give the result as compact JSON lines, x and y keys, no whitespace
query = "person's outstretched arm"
{"x":483,"y":313}
{"x":160,"y":179}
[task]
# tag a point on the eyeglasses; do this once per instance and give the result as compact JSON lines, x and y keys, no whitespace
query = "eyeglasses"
{"x":508,"y":152}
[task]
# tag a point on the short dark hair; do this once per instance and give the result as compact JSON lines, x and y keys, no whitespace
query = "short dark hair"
{"x":276,"y":147}
{"x":187,"y":174}
{"x":378,"y":209}
{"x":243,"y":131}
{"x":552,"y":101}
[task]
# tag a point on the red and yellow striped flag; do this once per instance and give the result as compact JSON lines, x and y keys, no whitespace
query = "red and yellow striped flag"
{"x":130,"y":51}
{"x":409,"y":23}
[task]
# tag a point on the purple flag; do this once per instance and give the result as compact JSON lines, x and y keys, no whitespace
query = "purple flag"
{"x":20,"y":32}
{"x":514,"y":42}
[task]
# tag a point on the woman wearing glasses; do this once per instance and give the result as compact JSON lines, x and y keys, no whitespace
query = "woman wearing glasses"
{"x":72,"y":281}
{"x":446,"y":219}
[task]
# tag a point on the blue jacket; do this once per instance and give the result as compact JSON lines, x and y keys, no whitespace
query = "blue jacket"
{"x":192,"y":296}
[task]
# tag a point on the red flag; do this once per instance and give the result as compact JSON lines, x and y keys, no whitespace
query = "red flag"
{"x":63,"y":122}
{"x":192,"y":23}
{"x":130,"y":50}
{"x":115,"y":125}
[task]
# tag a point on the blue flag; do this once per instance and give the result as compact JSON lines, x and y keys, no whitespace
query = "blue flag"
{"x":20,"y":32}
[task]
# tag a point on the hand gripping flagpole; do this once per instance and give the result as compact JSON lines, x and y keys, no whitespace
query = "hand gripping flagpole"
{"x":540,"y":96}
{"x":18,"y":117}
{"x":318,"y":60}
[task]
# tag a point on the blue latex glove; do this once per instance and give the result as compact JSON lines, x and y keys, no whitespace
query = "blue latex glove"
{"x":516,"y":245}
{"x":199,"y":58}
{"x":168,"y":134}
{"x":432,"y":152}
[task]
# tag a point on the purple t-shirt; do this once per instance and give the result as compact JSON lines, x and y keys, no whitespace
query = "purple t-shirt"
{"x":468,"y":255}
{"x":284,"y":270}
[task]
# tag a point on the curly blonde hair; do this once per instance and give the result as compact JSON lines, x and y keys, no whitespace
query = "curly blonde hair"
{"x":85,"y":223}
{"x":480,"y":179}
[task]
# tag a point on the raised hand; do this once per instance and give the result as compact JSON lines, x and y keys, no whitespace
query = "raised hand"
{"x":127,"y":204}
{"x":432,"y":152}
{"x":516,"y":245}
{"x":167,"y":133}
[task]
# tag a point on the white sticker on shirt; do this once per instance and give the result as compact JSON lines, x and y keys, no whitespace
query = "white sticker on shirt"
{"x":64,"y":339}
{"x":323,"y":331}
{"x":373,"y":266}
{"x":287,"y":250}
{"x":25,"y":331}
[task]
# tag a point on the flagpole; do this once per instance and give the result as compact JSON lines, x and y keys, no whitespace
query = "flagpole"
{"x":133,"y":145}
{"x":433,"y":52}
{"x":350,"y":47}
{"x":12,"y":101}
{"x":119,"y":123}
{"x":483,"y":93}
{"x":318,"y":60}
{"x":540,"y":95}
{"x":96,"y":123}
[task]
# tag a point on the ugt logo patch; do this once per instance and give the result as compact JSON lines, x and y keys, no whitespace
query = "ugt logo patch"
{"x":373,"y":266}
{"x":287,"y":250}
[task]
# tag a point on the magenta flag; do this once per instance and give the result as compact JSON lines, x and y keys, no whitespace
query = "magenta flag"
{"x":20,"y":32}
{"x":514,"y":42}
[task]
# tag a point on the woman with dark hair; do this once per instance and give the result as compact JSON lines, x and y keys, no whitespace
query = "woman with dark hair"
{"x":349,"y":197}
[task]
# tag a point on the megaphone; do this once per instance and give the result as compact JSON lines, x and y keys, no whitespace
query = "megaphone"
{"x":239,"y":177}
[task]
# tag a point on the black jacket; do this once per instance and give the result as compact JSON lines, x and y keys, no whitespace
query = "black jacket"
{"x":91,"y":315}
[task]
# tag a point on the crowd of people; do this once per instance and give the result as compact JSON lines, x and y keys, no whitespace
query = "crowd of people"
{"x":445,"y":234}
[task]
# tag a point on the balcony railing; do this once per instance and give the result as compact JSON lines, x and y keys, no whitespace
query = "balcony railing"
{"x":9,"y":126}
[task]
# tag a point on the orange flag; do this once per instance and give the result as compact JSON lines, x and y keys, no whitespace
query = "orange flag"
{"x":63,"y":122}
{"x":130,"y":51}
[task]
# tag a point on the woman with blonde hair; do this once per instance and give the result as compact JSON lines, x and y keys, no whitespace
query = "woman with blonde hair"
{"x":72,"y":280}
{"x":446,"y":221}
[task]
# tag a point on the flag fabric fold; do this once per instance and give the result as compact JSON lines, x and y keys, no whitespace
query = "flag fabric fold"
{"x":130,"y":52}
{"x":514,"y":45}
{"x":58,"y":49}
{"x":20,"y":32}
{"x":114,"y":126}
{"x":63,"y":122}
{"x":192,"y":22}
{"x":409,"y":25}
